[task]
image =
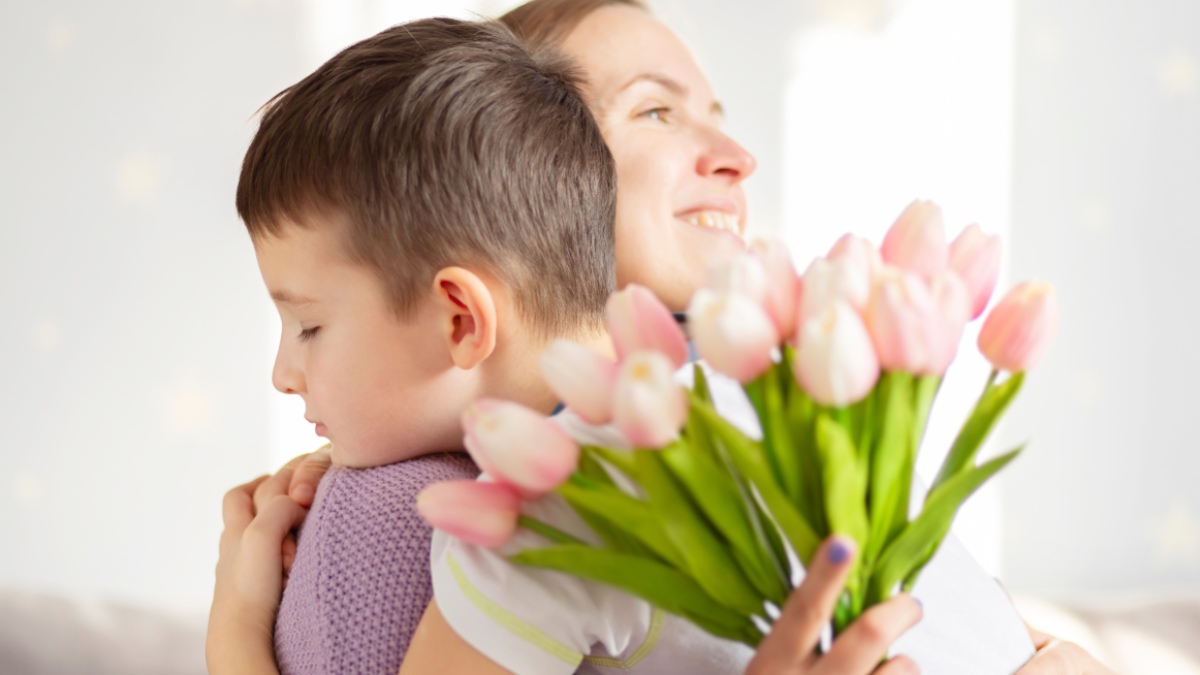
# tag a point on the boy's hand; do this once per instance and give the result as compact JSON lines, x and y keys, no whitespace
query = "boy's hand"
{"x":1055,"y":657}
{"x":249,"y":586}
{"x":790,"y":649}
{"x":297,"y":479}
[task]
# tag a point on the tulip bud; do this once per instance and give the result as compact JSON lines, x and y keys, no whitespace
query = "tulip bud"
{"x":857,"y":250}
{"x":484,"y":514}
{"x":836,"y":362}
{"x":954,"y":311}
{"x":826,"y":281}
{"x":732,"y":333}
{"x":638,"y":321}
{"x":783,"y":286}
{"x":519,"y":446}
{"x":650,"y":407}
{"x":975,"y":258}
{"x":917,"y":240}
{"x":1020,"y":328}
{"x":903,"y":322}
{"x":581,"y":378}
{"x":743,"y":274}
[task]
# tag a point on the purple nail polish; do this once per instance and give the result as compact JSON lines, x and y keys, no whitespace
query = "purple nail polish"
{"x":838,"y":552}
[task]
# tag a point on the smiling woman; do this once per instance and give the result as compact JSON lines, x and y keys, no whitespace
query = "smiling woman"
{"x":680,"y":202}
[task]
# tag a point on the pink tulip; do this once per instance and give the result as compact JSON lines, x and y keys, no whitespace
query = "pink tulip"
{"x":954,"y":311}
{"x":519,"y":446}
{"x":743,"y":273}
{"x":917,"y":240}
{"x":637,"y":321}
{"x":581,"y":378}
{"x":836,"y":362}
{"x":484,"y":514}
{"x":650,"y":406}
{"x":904,"y":323}
{"x":732,"y":333}
{"x":783,"y":285}
{"x":1020,"y":328}
{"x":857,"y":250}
{"x":975,"y":258}
{"x":827,"y":281}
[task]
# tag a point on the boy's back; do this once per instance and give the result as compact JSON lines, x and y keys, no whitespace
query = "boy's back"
{"x":361,"y":579}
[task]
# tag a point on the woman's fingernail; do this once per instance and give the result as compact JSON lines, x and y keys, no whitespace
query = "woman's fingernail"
{"x":838,"y":552}
{"x":302,"y":492}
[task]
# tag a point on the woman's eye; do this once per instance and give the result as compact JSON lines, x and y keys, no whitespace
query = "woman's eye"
{"x":657,"y":114}
{"x":308,"y":333}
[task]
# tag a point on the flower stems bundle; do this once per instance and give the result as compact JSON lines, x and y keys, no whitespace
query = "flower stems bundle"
{"x":710,"y":520}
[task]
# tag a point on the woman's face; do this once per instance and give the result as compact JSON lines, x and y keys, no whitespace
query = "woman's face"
{"x":680,"y":204}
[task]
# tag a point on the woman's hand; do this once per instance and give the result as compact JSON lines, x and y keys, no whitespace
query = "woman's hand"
{"x":249,"y":584}
{"x":790,"y":649}
{"x":298,"y":479}
{"x":1055,"y":657}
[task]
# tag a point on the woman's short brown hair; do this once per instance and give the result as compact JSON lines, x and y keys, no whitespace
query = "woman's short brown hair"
{"x":546,"y":23}
{"x":443,"y":142}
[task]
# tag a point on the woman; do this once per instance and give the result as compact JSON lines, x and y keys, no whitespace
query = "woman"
{"x":680,"y":208}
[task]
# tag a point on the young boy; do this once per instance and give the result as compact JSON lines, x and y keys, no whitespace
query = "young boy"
{"x":428,"y":209}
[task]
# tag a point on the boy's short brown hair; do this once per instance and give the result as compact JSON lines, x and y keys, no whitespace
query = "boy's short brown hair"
{"x":442,"y":142}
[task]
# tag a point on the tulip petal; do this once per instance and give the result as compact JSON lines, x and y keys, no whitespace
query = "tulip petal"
{"x":477,"y":512}
{"x":581,"y":378}
{"x":519,"y":446}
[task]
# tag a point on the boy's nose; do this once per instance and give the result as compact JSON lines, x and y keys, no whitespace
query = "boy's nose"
{"x":285,"y":378}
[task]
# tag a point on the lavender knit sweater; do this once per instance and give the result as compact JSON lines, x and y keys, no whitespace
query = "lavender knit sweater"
{"x":361,"y":577}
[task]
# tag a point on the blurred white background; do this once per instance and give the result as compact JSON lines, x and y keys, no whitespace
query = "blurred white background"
{"x":135,"y":360}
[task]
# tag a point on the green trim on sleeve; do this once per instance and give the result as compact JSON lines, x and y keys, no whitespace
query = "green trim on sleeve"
{"x":517,"y":626}
{"x":652,"y":636}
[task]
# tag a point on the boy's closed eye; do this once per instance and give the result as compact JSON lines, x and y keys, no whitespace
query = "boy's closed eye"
{"x":308,"y":333}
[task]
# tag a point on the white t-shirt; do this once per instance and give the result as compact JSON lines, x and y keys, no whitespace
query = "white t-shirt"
{"x":541,"y":622}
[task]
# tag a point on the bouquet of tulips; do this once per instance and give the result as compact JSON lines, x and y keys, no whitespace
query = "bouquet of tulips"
{"x":841,"y":365}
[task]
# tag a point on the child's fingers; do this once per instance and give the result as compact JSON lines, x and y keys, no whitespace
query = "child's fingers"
{"x":795,"y":635}
{"x":307,"y":475}
{"x":860,"y":647}
{"x":289,"y":553}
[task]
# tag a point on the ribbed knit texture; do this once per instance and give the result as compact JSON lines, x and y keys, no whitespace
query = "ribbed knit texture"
{"x":361,"y":577}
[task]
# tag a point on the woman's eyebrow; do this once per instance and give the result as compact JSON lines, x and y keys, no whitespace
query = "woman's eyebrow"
{"x":671,"y":85}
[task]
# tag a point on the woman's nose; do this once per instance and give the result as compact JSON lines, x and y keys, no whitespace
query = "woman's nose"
{"x":724,"y":158}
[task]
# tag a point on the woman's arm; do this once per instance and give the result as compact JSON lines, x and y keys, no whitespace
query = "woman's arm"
{"x":249,"y":581}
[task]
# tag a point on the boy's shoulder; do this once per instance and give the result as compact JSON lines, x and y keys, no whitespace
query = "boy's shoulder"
{"x":360,"y":582}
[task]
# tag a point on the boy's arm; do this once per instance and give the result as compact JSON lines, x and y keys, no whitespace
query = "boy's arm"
{"x":436,"y":649}
{"x":249,"y":585}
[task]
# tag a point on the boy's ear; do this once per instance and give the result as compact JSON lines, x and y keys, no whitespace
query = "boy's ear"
{"x":467,"y":315}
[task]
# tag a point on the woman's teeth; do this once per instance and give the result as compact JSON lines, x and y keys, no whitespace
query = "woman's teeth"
{"x":714,"y":219}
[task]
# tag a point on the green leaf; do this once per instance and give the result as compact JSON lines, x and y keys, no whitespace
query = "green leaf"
{"x":777,"y":432}
{"x":548,"y":531}
{"x":802,"y":415}
{"x":845,"y":484}
{"x":748,"y":457}
{"x":904,"y":557}
{"x":704,"y":553}
{"x":975,"y":430}
{"x":652,"y":581}
{"x":624,"y":522}
{"x":891,"y":464}
{"x":925,"y":392}
{"x":592,"y":468}
{"x":721,"y":499}
{"x":700,"y":383}
{"x":619,"y":459}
